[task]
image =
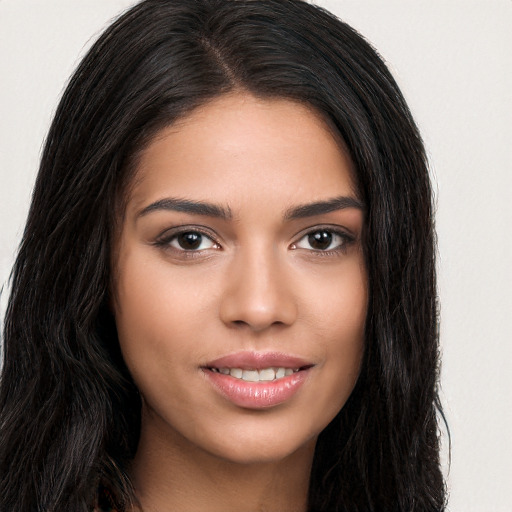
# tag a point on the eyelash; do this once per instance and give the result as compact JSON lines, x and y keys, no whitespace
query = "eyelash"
{"x":165,"y":240}
{"x":346,"y":240}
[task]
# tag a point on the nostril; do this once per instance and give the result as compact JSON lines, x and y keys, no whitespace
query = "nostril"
{"x":255,"y":325}
{"x":257,"y":303}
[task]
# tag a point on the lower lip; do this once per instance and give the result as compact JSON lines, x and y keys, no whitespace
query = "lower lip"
{"x":257,"y":395}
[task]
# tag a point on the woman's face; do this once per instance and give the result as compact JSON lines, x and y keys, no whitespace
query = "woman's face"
{"x":241,"y":293}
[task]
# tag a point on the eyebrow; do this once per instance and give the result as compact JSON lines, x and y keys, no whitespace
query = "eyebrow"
{"x":187,"y":206}
{"x":322,"y":207}
{"x":217,"y":211}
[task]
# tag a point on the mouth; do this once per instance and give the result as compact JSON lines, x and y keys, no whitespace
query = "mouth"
{"x":254,"y":375}
{"x":257,"y":380}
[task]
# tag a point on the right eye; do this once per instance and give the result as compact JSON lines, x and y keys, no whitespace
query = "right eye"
{"x":191,"y":241}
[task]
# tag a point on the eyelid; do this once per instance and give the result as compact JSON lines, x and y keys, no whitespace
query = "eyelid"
{"x":164,"y":238}
{"x":347,"y":236}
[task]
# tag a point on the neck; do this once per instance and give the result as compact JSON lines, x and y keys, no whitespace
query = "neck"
{"x":171,"y":474}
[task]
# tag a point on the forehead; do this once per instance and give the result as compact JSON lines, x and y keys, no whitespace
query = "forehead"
{"x":238,"y":146}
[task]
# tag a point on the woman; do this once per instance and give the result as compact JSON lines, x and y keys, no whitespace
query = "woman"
{"x":225,"y":295}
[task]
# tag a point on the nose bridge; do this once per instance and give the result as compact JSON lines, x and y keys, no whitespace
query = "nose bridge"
{"x":258,"y":290}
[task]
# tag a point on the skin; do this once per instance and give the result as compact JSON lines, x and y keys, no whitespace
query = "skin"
{"x":255,"y":283}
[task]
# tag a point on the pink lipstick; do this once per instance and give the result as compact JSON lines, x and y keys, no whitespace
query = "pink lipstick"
{"x":257,"y":380}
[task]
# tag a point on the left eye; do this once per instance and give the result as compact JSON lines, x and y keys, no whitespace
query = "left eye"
{"x":322,"y":240}
{"x":191,"y":241}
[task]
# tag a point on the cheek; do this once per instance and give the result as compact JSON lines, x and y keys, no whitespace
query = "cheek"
{"x":154,"y":314}
{"x":337,"y":313}
{"x":337,"y":303}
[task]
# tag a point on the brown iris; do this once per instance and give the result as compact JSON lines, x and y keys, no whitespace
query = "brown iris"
{"x":320,"y":240}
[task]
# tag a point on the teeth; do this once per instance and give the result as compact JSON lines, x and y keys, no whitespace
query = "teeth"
{"x":251,"y":375}
{"x":267,"y":374}
{"x":264,"y":375}
{"x":236,"y":372}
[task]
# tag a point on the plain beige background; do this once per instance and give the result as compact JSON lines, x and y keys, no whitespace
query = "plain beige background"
{"x":452,"y":59}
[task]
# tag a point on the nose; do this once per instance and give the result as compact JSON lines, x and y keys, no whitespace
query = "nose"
{"x":258,"y":292}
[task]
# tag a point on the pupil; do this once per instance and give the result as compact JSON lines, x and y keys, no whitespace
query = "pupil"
{"x":189,"y":240}
{"x":320,"y":240}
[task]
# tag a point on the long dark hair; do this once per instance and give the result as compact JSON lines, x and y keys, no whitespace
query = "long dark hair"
{"x":70,"y":413}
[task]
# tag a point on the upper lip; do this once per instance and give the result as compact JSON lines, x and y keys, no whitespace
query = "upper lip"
{"x":258,"y":361}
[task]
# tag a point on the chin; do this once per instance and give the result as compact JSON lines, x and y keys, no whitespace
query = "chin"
{"x":254,"y":455}
{"x":260,"y":447}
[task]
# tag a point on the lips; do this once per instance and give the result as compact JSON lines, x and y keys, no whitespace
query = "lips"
{"x":257,"y":380}
{"x":258,"y":361}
